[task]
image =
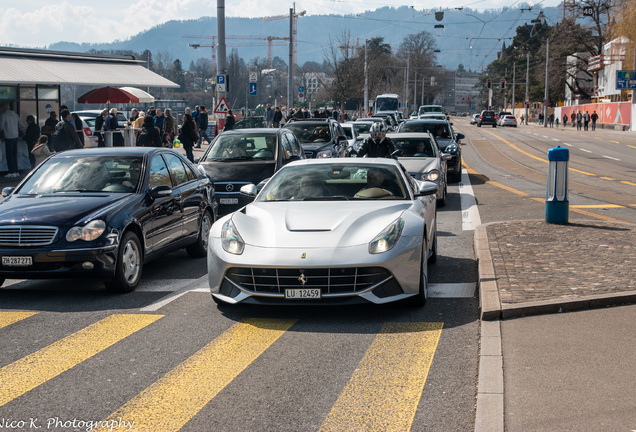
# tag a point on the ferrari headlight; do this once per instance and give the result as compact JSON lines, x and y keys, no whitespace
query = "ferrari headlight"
{"x":325,"y":154}
{"x":387,"y":238}
{"x":432,"y":175}
{"x":231,"y":239}
{"x":88,"y":232}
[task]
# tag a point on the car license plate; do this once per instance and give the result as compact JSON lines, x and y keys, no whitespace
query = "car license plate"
{"x":228,"y":201}
{"x":302,"y":293}
{"x":17,"y":261}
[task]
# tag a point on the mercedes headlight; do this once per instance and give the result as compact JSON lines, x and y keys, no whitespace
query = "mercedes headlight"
{"x":451,"y":148}
{"x":88,"y":232}
{"x":432,"y":175}
{"x":231,"y":240}
{"x":387,"y":238}
{"x":325,"y":154}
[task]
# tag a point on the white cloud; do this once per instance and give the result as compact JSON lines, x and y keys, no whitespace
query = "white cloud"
{"x":37,"y":23}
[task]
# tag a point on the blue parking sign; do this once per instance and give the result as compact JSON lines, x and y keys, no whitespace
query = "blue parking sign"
{"x":252,"y":89}
{"x":220,"y":79}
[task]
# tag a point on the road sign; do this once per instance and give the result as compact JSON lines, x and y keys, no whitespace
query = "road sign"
{"x":625,"y":80}
{"x":301,"y":95}
{"x":588,"y":11}
{"x":253,"y":76}
{"x":252,"y":89}
{"x":301,"y":89}
{"x":221,"y":84}
{"x":221,"y":107}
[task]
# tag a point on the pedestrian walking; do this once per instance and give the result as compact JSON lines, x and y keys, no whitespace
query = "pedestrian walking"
{"x":79,"y":127}
{"x":99,"y":127}
{"x":551,"y":120}
{"x":159,"y":119}
{"x":278,"y":117}
{"x":188,"y":135}
{"x":586,"y":120}
{"x":269,"y":116}
{"x":202,"y":125}
{"x":556,"y":121}
{"x":579,"y":120}
{"x":111,"y":124}
{"x":565,"y":120}
{"x":594,"y":118}
{"x":149,"y":136}
{"x":170,"y":125}
{"x":573,"y":119}
{"x":65,"y":136}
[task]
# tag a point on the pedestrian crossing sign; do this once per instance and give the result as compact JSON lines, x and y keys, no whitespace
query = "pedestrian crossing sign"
{"x":221,"y":107}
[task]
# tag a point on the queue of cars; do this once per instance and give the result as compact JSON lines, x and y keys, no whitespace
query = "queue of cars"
{"x":300,"y":221}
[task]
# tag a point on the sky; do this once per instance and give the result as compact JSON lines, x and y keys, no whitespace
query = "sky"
{"x":38,"y":23}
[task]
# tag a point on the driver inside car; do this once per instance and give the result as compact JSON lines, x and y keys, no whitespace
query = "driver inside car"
{"x":377,"y":185}
{"x":135,"y":172}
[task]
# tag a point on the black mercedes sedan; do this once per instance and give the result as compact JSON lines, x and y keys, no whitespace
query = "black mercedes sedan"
{"x":103,"y":213}
{"x":247,"y":156}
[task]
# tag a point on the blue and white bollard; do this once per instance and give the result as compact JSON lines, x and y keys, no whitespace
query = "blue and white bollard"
{"x":556,"y":201}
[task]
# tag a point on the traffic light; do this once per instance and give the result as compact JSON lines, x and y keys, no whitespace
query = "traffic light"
{"x":489,"y":84}
{"x":503,"y":84}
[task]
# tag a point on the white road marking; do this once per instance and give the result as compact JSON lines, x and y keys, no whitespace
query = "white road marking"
{"x":196,"y":285}
{"x":569,"y":145}
{"x":609,"y":157}
{"x":586,"y":151}
{"x":554,"y":139}
{"x":452,"y":290}
{"x":470,"y":214}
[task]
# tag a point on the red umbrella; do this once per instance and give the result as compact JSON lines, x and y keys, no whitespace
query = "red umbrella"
{"x":108,"y":95}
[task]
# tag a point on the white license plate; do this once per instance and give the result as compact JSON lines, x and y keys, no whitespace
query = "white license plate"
{"x":228,"y":200}
{"x":17,"y":261}
{"x":302,"y":293}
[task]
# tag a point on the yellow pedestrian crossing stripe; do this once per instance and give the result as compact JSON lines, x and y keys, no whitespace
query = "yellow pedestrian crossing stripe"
{"x":171,"y":402}
{"x":35,"y":369}
{"x":385,"y":389}
{"x":382,"y":394}
{"x":8,"y":318}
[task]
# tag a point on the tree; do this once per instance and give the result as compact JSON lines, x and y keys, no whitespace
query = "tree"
{"x":625,"y":26}
{"x":345,"y":69}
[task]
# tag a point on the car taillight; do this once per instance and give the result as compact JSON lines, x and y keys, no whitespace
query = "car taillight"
{"x":88,"y":132}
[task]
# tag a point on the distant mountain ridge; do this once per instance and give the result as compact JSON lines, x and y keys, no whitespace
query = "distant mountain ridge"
{"x":485,"y":32}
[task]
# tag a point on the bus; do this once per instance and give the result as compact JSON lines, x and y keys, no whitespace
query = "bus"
{"x":387,"y":102}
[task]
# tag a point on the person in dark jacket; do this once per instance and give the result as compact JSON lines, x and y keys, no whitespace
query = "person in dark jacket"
{"x":230,"y":120}
{"x":377,"y":145}
{"x":79,"y":127}
{"x":149,"y":136}
{"x":189,"y":136}
{"x":67,"y":138}
{"x":31,"y":136}
{"x":99,"y":127}
{"x":202,"y":125}
{"x":111,"y":124}
{"x":278,"y":117}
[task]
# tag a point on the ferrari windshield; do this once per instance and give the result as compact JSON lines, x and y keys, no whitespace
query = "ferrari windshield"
{"x":333,"y":182}
{"x":243,"y":146}
{"x":85,"y":174}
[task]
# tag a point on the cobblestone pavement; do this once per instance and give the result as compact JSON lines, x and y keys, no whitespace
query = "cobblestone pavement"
{"x":535,"y":260}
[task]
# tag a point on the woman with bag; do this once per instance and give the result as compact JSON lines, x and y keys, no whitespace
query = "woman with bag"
{"x":188,"y":136}
{"x":149,"y":136}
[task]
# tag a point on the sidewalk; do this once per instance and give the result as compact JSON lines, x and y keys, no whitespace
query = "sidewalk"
{"x":532,"y":267}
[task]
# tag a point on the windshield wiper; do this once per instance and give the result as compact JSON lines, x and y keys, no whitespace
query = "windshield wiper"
{"x":327,"y":198}
{"x":74,"y":190}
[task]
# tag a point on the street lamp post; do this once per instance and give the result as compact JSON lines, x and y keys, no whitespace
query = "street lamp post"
{"x":545,"y":99}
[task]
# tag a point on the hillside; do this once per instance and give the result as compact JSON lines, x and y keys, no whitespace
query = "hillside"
{"x":484,"y":31}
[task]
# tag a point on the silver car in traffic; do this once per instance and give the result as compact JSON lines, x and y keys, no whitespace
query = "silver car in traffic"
{"x":335,"y":231}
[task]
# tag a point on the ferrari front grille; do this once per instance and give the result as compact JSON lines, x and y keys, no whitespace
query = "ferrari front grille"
{"x":329,"y":280}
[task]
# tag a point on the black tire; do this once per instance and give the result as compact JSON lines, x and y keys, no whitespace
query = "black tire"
{"x":199,"y":249}
{"x":494,"y":125}
{"x":442,"y":201}
{"x":420,"y":299}
{"x":129,"y":266}
{"x":478,"y":124}
{"x":433,"y":256}
{"x":2,"y":282}
{"x":456,"y":177}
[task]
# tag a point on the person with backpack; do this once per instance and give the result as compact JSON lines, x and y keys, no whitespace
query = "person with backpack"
{"x":65,"y":137}
{"x":149,"y":136}
{"x":188,"y":135}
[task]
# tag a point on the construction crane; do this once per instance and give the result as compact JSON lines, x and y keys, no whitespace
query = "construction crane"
{"x":270,"y":43}
{"x":294,"y":30}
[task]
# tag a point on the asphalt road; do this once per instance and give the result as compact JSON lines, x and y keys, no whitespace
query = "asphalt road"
{"x":167,"y":358}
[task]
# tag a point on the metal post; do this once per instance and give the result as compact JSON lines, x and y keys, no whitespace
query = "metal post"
{"x":545,"y":98}
{"x":290,"y":74}
{"x":406,"y":85}
{"x":414,"y":92}
{"x":514,"y":66}
{"x":221,"y":58}
{"x":365,"y":111}
{"x":527,"y":83}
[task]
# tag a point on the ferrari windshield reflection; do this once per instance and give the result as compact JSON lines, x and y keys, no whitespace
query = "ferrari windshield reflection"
{"x":329,"y":182}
